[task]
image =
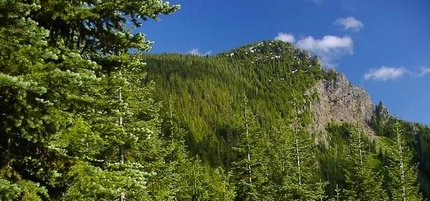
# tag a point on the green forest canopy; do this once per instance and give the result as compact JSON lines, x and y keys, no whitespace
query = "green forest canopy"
{"x":83,"y":119}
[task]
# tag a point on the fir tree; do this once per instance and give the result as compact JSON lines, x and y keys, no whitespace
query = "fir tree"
{"x":363,"y":171}
{"x":302,"y":180}
{"x":45,"y":92}
{"x":247,"y":168}
{"x":57,"y":59}
{"x":201,"y":182}
{"x":403,"y":173}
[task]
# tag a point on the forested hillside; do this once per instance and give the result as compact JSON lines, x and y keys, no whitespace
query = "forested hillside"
{"x":86,"y":114}
{"x":209,"y":93}
{"x":273,"y":82}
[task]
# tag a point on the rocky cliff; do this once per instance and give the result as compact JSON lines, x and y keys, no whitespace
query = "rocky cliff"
{"x":339,"y":101}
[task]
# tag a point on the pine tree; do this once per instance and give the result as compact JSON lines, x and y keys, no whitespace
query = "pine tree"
{"x":403,"y":173}
{"x":45,"y":90}
{"x":205,"y":183}
{"x":281,"y":157}
{"x":171,"y":179}
{"x":247,"y":167}
{"x":364,"y":179}
{"x":302,"y":180}
{"x":130,"y":122}
{"x":57,"y":61}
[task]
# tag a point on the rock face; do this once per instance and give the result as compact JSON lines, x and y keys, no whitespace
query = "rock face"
{"x":339,"y":101}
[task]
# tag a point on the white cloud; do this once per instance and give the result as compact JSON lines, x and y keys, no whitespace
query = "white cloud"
{"x":350,"y":23}
{"x":286,"y":37}
{"x":196,"y":51}
{"x":328,"y":48}
{"x":424,"y":71}
{"x":326,"y":44}
{"x":385,"y":73}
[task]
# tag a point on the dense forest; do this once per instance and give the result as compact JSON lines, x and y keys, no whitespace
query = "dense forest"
{"x":262,"y":91}
{"x":87,"y":114}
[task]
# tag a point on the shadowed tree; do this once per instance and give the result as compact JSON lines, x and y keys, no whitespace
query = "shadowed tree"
{"x":67,"y":99}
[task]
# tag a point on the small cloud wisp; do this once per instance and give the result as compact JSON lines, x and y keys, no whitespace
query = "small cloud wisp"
{"x":196,"y":51}
{"x":385,"y":73}
{"x":328,"y":48}
{"x":424,"y":71}
{"x":286,"y":37}
{"x":350,"y":23}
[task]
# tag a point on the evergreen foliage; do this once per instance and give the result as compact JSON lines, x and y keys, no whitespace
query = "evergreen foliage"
{"x":247,"y":168}
{"x":83,"y":117}
{"x":275,"y":78}
{"x":207,"y":92}
{"x":403,"y":174}
{"x":65,"y":134}
{"x":363,"y":172}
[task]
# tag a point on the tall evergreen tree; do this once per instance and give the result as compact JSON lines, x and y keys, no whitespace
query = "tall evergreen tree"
{"x":403,"y":173}
{"x":206,"y":183}
{"x":363,"y":171}
{"x":57,"y":59}
{"x":302,"y":181}
{"x":45,"y":93}
{"x":248,"y":148}
{"x":281,"y":159}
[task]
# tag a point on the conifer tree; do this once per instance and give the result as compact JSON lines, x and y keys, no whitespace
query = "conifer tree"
{"x":302,"y":181}
{"x":403,"y":173}
{"x":281,"y":157}
{"x":171,"y":179}
{"x":59,"y":63}
{"x":364,"y":180}
{"x":45,"y":92}
{"x":205,"y":183}
{"x":246,"y":169}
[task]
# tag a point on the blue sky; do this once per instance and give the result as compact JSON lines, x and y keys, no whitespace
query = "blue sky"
{"x":381,"y":45}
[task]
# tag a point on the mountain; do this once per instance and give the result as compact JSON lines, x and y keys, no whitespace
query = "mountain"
{"x":208,"y":92}
{"x":339,"y":101}
{"x":279,"y":83}
{"x":81,"y":119}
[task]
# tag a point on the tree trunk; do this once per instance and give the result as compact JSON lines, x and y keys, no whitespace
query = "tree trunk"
{"x":121,"y":149}
{"x":298,"y":160}
{"x":402,"y":168}
{"x":248,"y":151}
{"x":297,"y":145}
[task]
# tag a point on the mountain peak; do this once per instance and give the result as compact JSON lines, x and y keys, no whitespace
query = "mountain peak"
{"x":271,"y":47}
{"x":270,"y":50}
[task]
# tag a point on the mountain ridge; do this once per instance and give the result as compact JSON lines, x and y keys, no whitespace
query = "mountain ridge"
{"x":339,"y":100}
{"x":278,"y":82}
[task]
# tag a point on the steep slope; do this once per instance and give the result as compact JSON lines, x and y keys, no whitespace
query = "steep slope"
{"x":272,"y":74}
{"x":208,"y":92}
{"x":339,"y":101}
{"x":279,"y":83}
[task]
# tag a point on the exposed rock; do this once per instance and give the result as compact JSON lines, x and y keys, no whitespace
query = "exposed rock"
{"x":381,"y":112}
{"x":339,"y":101}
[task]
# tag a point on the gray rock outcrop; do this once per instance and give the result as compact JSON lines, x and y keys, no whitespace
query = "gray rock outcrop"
{"x":339,"y":101}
